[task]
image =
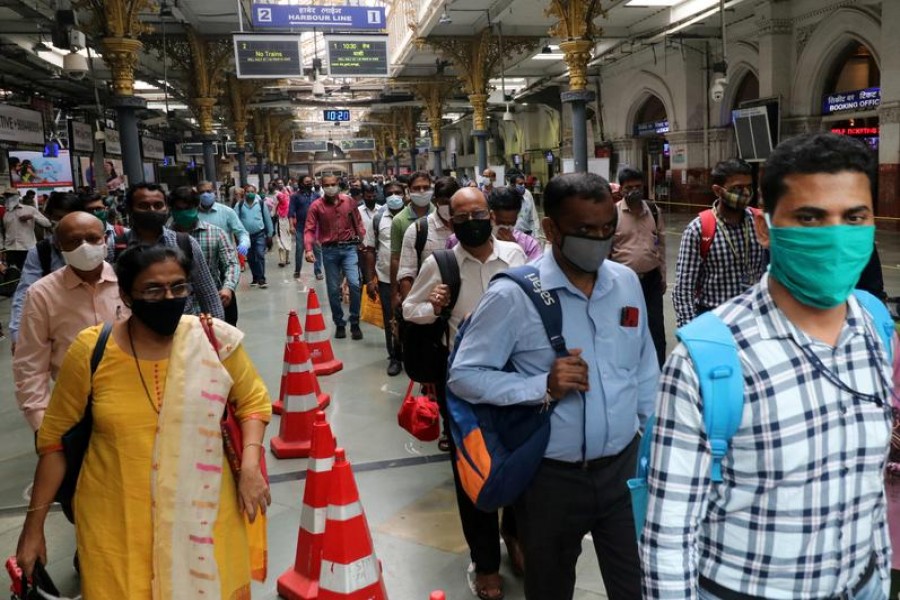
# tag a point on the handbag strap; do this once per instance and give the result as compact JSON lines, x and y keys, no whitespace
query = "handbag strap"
{"x":207,"y":322}
{"x":410,"y":388}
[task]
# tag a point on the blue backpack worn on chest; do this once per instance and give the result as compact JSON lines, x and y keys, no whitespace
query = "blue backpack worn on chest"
{"x":499,"y":448}
{"x":713,"y":352}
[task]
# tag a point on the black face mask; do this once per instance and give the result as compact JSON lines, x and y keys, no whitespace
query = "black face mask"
{"x":149,"y":220}
{"x":473,"y":232}
{"x":161,"y":317}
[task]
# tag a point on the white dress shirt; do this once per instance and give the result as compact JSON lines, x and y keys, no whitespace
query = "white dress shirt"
{"x":383,"y":249}
{"x":438,"y":234}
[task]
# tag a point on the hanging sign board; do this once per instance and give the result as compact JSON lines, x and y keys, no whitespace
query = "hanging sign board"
{"x":336,"y":116}
{"x":113,"y":142}
{"x":357,"y":56}
{"x":21,"y":125}
{"x":283,"y":16}
{"x":357,"y":144}
{"x":267,"y":56}
{"x":651,"y":128}
{"x":309,"y":146}
{"x":232,"y":148}
{"x":868,"y":99}
{"x":196,"y":148}
{"x":152,"y":148}
{"x":82,"y":138}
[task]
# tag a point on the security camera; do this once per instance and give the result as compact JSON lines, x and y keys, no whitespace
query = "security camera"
{"x":318,"y":88}
{"x":75,"y":65}
{"x":717,"y":91}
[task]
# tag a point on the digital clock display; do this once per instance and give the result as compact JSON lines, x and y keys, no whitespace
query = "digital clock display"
{"x":337,"y":115}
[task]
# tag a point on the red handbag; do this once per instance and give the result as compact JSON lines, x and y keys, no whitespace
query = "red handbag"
{"x":419,"y":415}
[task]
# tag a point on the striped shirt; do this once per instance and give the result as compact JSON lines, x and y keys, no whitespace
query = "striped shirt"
{"x":801,"y":509}
{"x":734,"y":263}
{"x":219,"y":253}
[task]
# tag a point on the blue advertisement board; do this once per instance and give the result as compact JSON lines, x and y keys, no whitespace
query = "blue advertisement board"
{"x":286,"y":16}
{"x":857,"y":100}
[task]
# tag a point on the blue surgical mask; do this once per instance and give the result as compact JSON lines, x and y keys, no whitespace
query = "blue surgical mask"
{"x":819,"y":266}
{"x":207,"y":199}
{"x":394,"y":202}
{"x":520,"y":188}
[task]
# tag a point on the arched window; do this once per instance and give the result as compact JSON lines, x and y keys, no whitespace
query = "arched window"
{"x":748,"y":89}
{"x":854,"y":69}
{"x":652,"y":110}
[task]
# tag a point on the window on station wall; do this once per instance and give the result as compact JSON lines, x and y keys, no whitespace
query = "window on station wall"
{"x":748,"y":89}
{"x":652,"y":110}
{"x":852,"y":97}
{"x":855,"y":69}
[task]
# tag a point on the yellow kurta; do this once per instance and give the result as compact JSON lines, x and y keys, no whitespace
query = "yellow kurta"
{"x":113,"y":498}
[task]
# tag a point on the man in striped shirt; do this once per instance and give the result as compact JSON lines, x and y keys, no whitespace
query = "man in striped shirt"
{"x":800,"y":513}
{"x":711,"y":271}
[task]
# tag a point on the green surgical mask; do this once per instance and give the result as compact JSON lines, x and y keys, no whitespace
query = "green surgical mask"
{"x":820,"y":266}
{"x":185,"y":218}
{"x":102,"y":214}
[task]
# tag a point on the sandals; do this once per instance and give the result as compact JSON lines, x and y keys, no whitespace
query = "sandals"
{"x":444,"y":443}
{"x":485,"y":586}
{"x":515,"y":552}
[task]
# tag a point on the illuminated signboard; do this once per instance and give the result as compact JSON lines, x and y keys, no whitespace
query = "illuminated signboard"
{"x":357,"y":144}
{"x":196,"y":148}
{"x":232,"y":148}
{"x":858,"y":100}
{"x":357,"y":56}
{"x":858,"y":131}
{"x":309,"y":146}
{"x":651,"y":128}
{"x":337,"y":115}
{"x":267,"y":56}
{"x":284,"y":16}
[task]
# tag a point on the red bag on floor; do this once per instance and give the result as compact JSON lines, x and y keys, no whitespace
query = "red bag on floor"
{"x":419,"y":415}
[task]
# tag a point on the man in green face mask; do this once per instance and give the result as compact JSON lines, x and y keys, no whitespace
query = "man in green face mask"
{"x":799,"y":509}
{"x":217,"y":247}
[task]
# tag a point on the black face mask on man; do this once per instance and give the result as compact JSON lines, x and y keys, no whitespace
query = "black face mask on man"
{"x":149,"y":220}
{"x":161,"y":317}
{"x":474,"y":232}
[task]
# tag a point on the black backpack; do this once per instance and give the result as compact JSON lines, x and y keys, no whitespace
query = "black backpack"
{"x":426,"y":347}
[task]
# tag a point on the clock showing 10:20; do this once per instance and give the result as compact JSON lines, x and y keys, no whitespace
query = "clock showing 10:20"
{"x":337,"y":115}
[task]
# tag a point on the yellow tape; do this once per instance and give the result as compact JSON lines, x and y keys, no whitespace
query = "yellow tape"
{"x":708,"y":206}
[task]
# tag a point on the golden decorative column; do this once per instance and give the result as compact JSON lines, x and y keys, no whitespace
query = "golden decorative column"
{"x":121,"y":54}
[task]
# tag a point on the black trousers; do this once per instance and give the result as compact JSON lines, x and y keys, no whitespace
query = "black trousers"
{"x":231,"y":311}
{"x":563,"y":504}
{"x":481,"y":529}
{"x":652,"y":286}
{"x":16,"y":258}
{"x":392,"y":345}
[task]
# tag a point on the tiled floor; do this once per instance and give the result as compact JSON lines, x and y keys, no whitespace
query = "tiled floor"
{"x":411,"y":509}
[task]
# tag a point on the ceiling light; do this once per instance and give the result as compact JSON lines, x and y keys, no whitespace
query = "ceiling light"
{"x":41,"y":47}
{"x":551,"y":56}
{"x":445,"y":17}
{"x":508,"y":116}
{"x":547,"y":50}
{"x":653,"y":2}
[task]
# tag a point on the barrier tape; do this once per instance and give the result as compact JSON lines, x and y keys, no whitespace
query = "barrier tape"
{"x":670,"y":203}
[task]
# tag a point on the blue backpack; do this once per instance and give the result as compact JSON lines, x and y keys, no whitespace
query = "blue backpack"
{"x":499,"y":448}
{"x":712,"y":349}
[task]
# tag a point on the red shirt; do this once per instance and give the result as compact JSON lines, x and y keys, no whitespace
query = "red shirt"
{"x":327,"y":223}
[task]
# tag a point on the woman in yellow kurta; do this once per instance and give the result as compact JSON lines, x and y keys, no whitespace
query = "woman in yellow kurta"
{"x":158,"y":513}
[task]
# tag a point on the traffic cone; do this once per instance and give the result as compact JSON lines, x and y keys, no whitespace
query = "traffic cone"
{"x":350,"y":570}
{"x":437,"y":595}
{"x":295,"y":336}
{"x":302,"y":399}
{"x":318,"y":339}
{"x":302,"y":581}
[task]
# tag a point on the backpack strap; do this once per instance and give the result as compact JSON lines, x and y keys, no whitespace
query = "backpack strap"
{"x":884,"y":324}
{"x":449,"y":268}
{"x":100,"y":347}
{"x":707,"y":231}
{"x":713,"y":351}
{"x":546,"y":302}
{"x":376,"y":225}
{"x":184,"y":242}
{"x":421,"y":237}
{"x":654,"y":210}
{"x":45,"y":255}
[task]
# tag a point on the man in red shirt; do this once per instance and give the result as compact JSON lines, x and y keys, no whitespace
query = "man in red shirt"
{"x":340,"y":232}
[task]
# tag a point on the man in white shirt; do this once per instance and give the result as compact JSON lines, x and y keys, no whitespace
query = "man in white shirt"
{"x":377,"y":267}
{"x":437,"y":233}
{"x":18,"y":230}
{"x":480,"y":256}
{"x":368,"y":208}
{"x":527,"y":221}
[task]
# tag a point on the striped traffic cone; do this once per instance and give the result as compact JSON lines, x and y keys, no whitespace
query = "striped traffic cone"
{"x":302,"y":581}
{"x":302,"y":399}
{"x":350,"y":570}
{"x":318,"y":339}
{"x":437,"y":595}
{"x":295,"y":336}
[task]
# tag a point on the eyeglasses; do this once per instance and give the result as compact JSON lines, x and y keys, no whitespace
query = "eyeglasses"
{"x":480,"y":215}
{"x":157,"y":293}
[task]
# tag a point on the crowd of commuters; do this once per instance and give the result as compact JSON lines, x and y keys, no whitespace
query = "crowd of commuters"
{"x":799,"y":510}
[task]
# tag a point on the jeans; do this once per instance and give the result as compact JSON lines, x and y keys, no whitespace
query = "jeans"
{"x":257,"y":256}
{"x":231,"y":311}
{"x":300,"y":252}
{"x":340,"y":262}
{"x":393,"y":345}
{"x":876,"y":589}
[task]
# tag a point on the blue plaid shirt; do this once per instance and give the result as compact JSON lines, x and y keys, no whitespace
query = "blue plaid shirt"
{"x":801,"y":510}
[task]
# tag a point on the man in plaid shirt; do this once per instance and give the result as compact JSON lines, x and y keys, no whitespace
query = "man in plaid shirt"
{"x":800,"y":513}
{"x":219,"y":252}
{"x":734,"y":260}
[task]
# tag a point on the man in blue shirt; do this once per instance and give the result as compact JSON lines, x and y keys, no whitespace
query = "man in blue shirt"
{"x":601,"y":394}
{"x":254,"y":214}
{"x":301,"y":200}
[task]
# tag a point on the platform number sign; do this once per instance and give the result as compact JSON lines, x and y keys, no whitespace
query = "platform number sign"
{"x":264,"y":15}
{"x":374,"y":17}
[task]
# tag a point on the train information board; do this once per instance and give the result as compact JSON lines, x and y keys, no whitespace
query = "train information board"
{"x":357,"y":56}
{"x":267,"y":56}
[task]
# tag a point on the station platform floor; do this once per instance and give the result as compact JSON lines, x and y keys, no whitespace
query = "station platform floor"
{"x":406,"y":486}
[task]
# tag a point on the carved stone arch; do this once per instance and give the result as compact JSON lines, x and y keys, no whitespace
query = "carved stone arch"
{"x":736,"y":75}
{"x":642,"y":86}
{"x":826,"y":43}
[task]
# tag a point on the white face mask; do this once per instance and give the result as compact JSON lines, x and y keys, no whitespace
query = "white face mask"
{"x":421,"y":199}
{"x":444,"y":212}
{"x":331,"y":190}
{"x":86,"y":257}
{"x":499,"y":228}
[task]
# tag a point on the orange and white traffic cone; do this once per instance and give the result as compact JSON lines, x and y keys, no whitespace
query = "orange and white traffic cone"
{"x":318,"y":339}
{"x":302,"y":581}
{"x":294,"y":331}
{"x":350,"y":570}
{"x":302,"y":399}
{"x":437,"y":595}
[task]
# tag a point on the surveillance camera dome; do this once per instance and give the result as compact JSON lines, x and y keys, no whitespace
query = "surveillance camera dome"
{"x":717,"y":91}
{"x":318,"y":88}
{"x":75,"y":65}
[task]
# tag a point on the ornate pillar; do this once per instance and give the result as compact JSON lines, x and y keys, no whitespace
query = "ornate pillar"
{"x":477,"y":59}
{"x":240,"y":92}
{"x":432,"y":93}
{"x":259,"y":139}
{"x":576,"y":29}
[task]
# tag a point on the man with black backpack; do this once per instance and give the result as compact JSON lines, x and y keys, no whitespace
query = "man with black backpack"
{"x":592,"y":386}
{"x":448,"y":287}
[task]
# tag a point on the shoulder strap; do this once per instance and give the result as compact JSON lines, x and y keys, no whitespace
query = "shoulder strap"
{"x":421,"y":237}
{"x":184,"y":242}
{"x":449,"y":268}
{"x":715,"y":356}
{"x":707,"y":231}
{"x":97,"y":355}
{"x":654,"y":210}
{"x":884,"y":323}
{"x":45,"y":254}
{"x":545,"y":301}
{"x":376,"y":225}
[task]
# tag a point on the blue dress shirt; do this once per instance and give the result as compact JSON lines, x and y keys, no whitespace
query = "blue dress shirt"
{"x":225,"y":218}
{"x":622,"y":367}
